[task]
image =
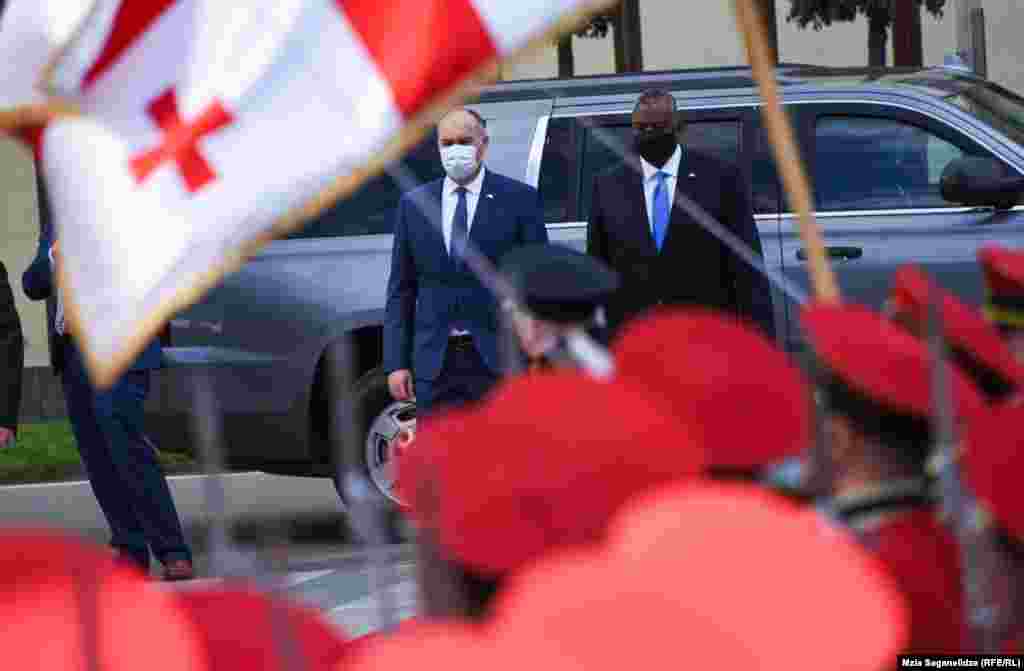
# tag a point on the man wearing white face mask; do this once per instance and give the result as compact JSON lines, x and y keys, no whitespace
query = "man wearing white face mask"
{"x":440,"y":331}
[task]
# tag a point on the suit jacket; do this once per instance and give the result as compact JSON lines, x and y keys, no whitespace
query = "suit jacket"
{"x":37,"y":282}
{"x":12,"y":355}
{"x":693,"y":267}
{"x":427,"y":296}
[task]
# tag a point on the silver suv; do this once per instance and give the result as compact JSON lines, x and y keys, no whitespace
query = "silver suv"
{"x":876,"y":144}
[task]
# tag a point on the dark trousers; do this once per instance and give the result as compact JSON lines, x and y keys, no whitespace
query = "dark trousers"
{"x":121,"y":463}
{"x":464,"y":378}
{"x":12,"y":356}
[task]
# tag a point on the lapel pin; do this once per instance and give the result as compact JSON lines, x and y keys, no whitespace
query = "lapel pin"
{"x":490,"y":195}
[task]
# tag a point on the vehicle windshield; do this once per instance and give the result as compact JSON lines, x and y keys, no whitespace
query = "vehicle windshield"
{"x":996,"y":106}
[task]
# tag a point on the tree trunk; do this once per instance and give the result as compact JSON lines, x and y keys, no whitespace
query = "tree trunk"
{"x":907,"y":38}
{"x":878,"y":33}
{"x":628,"y":45}
{"x":617,"y":44}
{"x":566,"y":60}
{"x":767,"y":11}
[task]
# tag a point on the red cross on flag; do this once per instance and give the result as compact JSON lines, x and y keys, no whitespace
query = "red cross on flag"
{"x":208,"y":126}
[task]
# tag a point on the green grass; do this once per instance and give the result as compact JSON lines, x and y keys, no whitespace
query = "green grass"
{"x":46,"y":452}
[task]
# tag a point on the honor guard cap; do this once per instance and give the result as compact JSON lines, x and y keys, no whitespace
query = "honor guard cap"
{"x":979,"y":349}
{"x":675,"y":579}
{"x":993,"y":461}
{"x":1003,"y":270}
{"x":247,"y":629}
{"x":714,"y":369}
{"x":69,"y":604}
{"x":878,"y":375}
{"x":543,"y":463}
{"x":559,"y":284}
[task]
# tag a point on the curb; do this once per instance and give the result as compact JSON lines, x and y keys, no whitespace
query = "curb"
{"x":256,"y":532}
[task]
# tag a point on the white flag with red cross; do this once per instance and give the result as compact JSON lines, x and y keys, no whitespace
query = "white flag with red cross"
{"x":207,"y":127}
{"x":42,"y":28}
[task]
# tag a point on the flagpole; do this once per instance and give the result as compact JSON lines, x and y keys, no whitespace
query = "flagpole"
{"x":982,"y":608}
{"x":367,"y":510}
{"x":787,"y":155}
{"x":798,"y":190}
{"x":225,"y":559}
{"x":85,"y":584}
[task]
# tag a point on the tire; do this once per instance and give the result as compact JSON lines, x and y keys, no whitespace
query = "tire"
{"x":379,"y":417}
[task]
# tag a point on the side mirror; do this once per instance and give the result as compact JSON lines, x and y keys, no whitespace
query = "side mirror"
{"x":980,"y":182}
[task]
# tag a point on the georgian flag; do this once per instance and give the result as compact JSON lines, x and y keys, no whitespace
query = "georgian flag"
{"x":42,"y":27}
{"x":209,"y":126}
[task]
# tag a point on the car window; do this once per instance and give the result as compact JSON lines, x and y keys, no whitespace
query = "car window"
{"x":872,"y":163}
{"x":720,"y":139}
{"x":602,"y":151}
{"x":764,"y":178}
{"x":991,"y":103}
{"x":557,"y":168}
{"x":370,"y":209}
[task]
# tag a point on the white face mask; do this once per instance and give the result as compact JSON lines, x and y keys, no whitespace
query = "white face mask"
{"x":459,"y":161}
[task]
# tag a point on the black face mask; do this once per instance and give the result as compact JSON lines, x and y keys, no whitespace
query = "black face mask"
{"x":656,"y":147}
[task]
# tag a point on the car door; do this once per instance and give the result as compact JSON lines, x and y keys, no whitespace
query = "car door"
{"x":875,"y":170}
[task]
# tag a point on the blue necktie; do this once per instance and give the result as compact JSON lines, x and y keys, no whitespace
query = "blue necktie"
{"x":460,"y":228}
{"x":661,"y":209}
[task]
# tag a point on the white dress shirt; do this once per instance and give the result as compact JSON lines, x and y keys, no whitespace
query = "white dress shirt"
{"x":449,"y":201}
{"x":671,"y":167}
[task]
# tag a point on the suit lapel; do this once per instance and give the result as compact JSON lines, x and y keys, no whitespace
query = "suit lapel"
{"x":637,"y":202}
{"x":483,"y":209}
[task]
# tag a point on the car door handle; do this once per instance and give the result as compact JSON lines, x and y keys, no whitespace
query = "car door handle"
{"x":834,"y":253}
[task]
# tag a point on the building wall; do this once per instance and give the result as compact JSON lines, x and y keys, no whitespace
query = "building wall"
{"x":19,"y":230}
{"x":1004,"y":21}
{"x":691,"y":34}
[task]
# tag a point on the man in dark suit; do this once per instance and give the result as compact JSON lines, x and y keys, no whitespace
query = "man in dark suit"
{"x":663,"y":256}
{"x":12,"y":362}
{"x":441,"y":323}
{"x":119,"y":459}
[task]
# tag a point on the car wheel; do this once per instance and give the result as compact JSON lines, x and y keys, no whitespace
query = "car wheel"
{"x":382,"y":424}
{"x":388,"y":424}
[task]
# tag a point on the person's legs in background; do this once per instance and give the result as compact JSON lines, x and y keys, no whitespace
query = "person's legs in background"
{"x":119,"y":411}
{"x":12,"y":363}
{"x":127,"y":535}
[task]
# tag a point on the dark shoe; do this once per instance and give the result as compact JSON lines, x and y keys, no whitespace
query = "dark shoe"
{"x":178,"y":569}
{"x":130,"y":560}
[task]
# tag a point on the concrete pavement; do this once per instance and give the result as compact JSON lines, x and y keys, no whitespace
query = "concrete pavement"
{"x":325,"y":571}
{"x":300,"y":509}
{"x":348,"y":594}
